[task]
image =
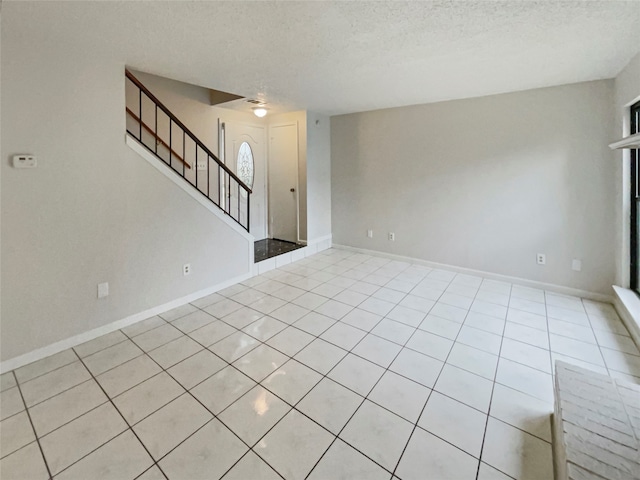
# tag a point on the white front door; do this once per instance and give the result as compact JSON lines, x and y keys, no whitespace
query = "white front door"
{"x":283,"y":182}
{"x":237,"y":134}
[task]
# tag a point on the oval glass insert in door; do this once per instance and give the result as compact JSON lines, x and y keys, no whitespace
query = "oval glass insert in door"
{"x":244,"y":167}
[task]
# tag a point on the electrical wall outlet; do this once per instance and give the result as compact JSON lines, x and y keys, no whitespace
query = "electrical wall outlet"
{"x":186,"y":269}
{"x":541,"y":259}
{"x":370,"y":233}
{"x":25,"y":161}
{"x":392,"y":236}
{"x":576,"y":265}
{"x":103,"y":290}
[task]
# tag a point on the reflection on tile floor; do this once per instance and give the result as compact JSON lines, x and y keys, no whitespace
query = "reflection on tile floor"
{"x":271,"y":247}
{"x":341,"y":365}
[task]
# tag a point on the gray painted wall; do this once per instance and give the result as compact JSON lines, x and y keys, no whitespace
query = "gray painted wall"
{"x":484,"y":183}
{"x":93,"y":210}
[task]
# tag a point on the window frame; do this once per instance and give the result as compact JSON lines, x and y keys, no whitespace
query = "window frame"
{"x":634,"y":127}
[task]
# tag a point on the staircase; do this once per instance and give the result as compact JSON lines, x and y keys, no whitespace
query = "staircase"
{"x":153,"y":125}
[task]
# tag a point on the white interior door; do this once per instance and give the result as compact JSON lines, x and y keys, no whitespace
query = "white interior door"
{"x":283,"y":182}
{"x":237,"y":134}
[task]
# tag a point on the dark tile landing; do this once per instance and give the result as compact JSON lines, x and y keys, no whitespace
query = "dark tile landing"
{"x":272,"y":247}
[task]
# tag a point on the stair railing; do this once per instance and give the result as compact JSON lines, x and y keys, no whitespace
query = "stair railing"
{"x":160,"y":132}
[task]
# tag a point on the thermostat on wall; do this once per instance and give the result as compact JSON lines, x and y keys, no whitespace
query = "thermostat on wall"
{"x":24,"y":161}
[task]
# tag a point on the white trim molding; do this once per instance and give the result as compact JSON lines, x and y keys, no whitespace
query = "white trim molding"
{"x":627,"y":305}
{"x":40,"y":353}
{"x":632,"y":141}
{"x":599,"y":297}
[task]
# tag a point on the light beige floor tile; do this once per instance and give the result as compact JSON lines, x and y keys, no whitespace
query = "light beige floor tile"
{"x":151,"y":339}
{"x":212,"y":333}
{"x":127,"y":375}
{"x":474,"y":360}
{"x":112,"y":356}
{"x":143,"y":326}
{"x":10,"y":403}
{"x":144,"y":399}
{"x":197,"y":368}
{"x":264,"y":328}
{"x":46,"y":365}
{"x":193,"y":321}
{"x":123,"y":457}
{"x":177,"y":312}
{"x":393,"y":331}
{"x":234,"y":346}
{"x":342,"y":462}
{"x":100,"y":343}
{"x":52,"y":383}
{"x":356,"y":373}
{"x":344,"y":336}
{"x":71,"y":442}
{"x":402,"y":396}
{"x":7,"y":380}
{"x":320,"y":355}
{"x":260,"y":362}
{"x":166,"y":428}
{"x":175,"y":351}
{"x":290,"y":341}
{"x":294,"y":446}
{"x":291,"y":381}
{"x":153,"y":473}
{"x":522,"y":411}
{"x":58,"y":410}
{"x":330,"y":404}
{"x":487,"y":472}
{"x":253,"y":414}
{"x":207,"y":300}
{"x":430,"y":344}
{"x":465,"y":387}
{"x":15,"y":433}
{"x":417,"y":367}
{"x":427,"y":456}
{"x":222,"y":389}
{"x":251,"y":466}
{"x":24,"y":464}
{"x":517,"y":453}
{"x":208,"y":453}
{"x":454,"y":422}
{"x":378,"y":433}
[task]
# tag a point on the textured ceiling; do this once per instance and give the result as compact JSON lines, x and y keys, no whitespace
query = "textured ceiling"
{"x":339,"y":57}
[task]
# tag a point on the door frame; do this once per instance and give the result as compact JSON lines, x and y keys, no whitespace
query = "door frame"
{"x":222,"y":135}
{"x":296,"y":124}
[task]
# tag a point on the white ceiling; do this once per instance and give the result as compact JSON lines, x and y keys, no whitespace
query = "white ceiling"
{"x":339,"y":57}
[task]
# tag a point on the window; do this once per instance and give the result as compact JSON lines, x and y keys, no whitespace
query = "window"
{"x":635,"y":201}
{"x":245,"y":164}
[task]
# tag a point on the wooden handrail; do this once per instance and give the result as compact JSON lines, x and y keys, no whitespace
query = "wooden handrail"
{"x":188,"y":132}
{"x":157,"y":138}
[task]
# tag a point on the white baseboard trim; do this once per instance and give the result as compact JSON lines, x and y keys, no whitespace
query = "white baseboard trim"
{"x":40,"y":353}
{"x":627,"y":304}
{"x":599,"y":297}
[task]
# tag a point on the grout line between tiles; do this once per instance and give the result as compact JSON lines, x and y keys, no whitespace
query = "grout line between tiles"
{"x":33,"y":429}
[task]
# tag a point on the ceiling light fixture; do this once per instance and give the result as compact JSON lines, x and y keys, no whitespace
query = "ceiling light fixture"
{"x":260,"y":112}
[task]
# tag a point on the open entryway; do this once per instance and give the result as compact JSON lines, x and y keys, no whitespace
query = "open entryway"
{"x":283,"y":182}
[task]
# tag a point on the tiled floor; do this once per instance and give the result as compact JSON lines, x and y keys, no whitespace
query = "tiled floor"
{"x":340,"y":366}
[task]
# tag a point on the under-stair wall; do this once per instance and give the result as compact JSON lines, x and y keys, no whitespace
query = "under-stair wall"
{"x":92,"y":211}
